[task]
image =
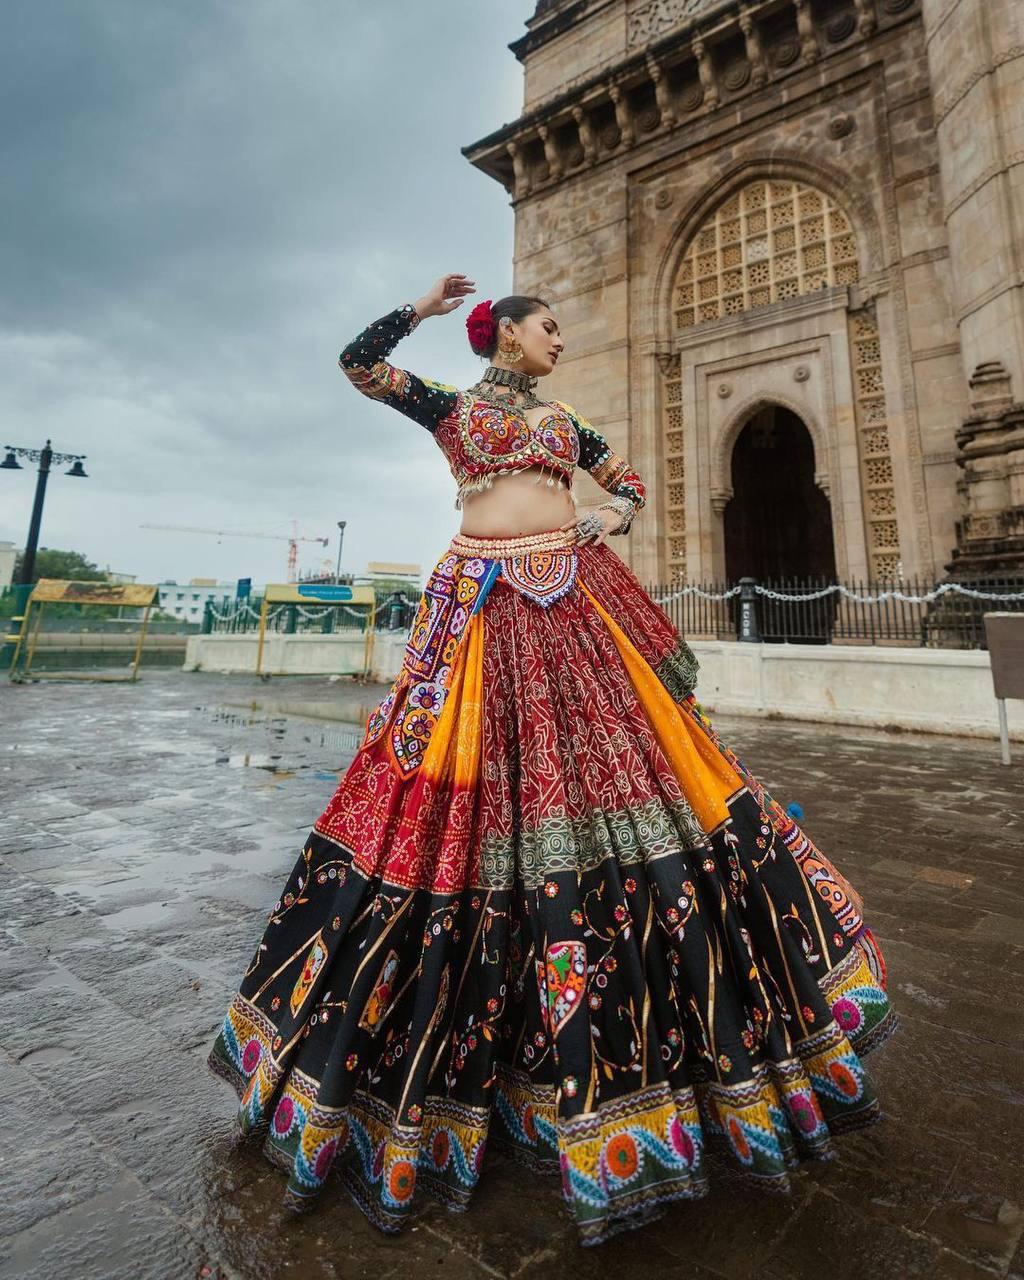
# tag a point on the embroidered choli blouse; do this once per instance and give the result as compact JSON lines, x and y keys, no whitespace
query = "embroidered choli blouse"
{"x":478,"y":438}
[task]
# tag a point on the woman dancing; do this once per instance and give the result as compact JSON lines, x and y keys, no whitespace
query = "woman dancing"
{"x":547,"y":907}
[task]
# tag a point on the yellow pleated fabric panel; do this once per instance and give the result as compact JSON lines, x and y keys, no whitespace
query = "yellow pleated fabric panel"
{"x":454,"y":746}
{"x":469,"y":732}
{"x":705,"y":776}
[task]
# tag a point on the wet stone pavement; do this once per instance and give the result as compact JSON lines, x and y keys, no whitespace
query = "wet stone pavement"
{"x":144,"y":833}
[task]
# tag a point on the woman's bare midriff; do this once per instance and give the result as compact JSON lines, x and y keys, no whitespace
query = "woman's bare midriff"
{"x":516,"y":504}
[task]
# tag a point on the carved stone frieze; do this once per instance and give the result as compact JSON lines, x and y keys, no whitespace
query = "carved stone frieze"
{"x":736,"y":76}
{"x":691,"y":98}
{"x":785,"y":53}
{"x":648,"y":20}
{"x":841,"y":126}
{"x":841,"y":28}
{"x":647,"y":121}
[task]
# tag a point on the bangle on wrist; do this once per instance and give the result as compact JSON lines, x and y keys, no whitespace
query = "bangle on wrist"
{"x":624,"y":508}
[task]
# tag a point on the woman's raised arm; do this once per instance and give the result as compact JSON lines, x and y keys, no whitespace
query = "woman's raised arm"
{"x":364,"y":360}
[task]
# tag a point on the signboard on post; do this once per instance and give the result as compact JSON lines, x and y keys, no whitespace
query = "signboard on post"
{"x":318,"y":593}
{"x":133,"y":595}
{"x":1004,"y":635}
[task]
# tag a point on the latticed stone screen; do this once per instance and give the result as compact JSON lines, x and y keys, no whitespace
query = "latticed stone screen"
{"x":770,"y":241}
{"x":674,"y":497}
{"x":879,"y":494}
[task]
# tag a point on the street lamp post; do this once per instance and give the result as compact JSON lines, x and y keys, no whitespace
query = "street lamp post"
{"x":45,"y":457}
{"x":341,"y":537}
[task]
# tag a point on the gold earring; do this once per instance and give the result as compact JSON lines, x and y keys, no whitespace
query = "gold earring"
{"x":511,"y":352}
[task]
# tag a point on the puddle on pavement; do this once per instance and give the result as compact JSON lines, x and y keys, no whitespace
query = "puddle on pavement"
{"x":283,"y":745}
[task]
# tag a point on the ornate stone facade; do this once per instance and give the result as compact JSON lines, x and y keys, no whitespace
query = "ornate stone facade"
{"x":813,"y":210}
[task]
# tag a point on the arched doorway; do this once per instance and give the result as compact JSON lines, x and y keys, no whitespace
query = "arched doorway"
{"x":778,"y":523}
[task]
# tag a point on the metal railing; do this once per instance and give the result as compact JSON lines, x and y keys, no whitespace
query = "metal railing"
{"x":395,"y":611}
{"x":910,"y":611}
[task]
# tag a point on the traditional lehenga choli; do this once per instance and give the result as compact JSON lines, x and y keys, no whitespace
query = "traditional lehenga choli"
{"x":548,"y":909}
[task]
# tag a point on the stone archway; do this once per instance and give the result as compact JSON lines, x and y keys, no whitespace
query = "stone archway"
{"x":778,"y":522}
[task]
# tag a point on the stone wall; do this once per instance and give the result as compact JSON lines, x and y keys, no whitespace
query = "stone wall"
{"x":976,"y":55}
{"x":931,"y":690}
{"x":634,"y":131}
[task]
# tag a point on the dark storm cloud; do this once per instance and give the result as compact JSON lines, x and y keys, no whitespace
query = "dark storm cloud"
{"x":201,"y":203}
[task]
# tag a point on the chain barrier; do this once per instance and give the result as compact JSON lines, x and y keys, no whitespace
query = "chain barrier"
{"x":850,"y":595}
{"x":696,"y":591}
{"x":929,"y":596}
{"x":240,"y":611}
{"x":317,"y":613}
{"x":236,"y":612}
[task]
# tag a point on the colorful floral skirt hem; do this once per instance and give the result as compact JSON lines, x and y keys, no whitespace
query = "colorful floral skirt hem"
{"x":548,"y":907}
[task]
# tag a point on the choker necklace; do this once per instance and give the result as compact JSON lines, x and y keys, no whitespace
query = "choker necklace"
{"x":522,"y":386}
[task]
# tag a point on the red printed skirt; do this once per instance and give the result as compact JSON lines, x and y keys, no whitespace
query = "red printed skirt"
{"x":550,"y":910}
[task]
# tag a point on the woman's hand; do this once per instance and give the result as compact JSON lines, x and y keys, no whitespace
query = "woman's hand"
{"x":609,"y":520}
{"x":446,"y":294}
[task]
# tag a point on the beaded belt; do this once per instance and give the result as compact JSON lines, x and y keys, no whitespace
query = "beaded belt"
{"x":467,"y":544}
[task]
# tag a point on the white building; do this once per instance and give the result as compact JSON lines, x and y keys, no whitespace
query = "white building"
{"x":188,"y":601}
{"x":8,"y":554}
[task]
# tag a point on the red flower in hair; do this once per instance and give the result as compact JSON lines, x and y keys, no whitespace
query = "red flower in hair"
{"x":481,"y":326}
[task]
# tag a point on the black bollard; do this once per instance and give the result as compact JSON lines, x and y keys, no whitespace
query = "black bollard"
{"x":747,"y":623}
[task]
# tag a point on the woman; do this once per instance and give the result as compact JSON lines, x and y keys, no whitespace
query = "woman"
{"x":547,"y":907}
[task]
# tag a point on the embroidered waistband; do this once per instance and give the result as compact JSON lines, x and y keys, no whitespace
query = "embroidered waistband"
{"x":468,"y":544}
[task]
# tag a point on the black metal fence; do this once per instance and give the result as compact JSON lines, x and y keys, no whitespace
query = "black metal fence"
{"x":912,"y":611}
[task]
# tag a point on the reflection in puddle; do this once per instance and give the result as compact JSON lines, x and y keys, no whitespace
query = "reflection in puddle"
{"x":284,"y":745}
{"x":251,"y":760}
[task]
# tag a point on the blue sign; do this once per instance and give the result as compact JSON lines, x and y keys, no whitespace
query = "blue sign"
{"x":323,"y":591}
{"x":244,"y":589}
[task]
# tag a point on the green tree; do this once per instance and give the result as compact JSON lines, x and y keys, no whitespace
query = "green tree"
{"x":65,"y":565}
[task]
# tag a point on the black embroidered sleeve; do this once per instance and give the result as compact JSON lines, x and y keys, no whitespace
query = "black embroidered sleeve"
{"x":365,"y":365}
{"x":611,"y":471}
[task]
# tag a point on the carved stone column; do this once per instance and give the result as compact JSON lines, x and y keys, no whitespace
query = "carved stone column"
{"x":809,"y":47}
{"x":522,"y":174}
{"x":975,"y":58}
{"x":550,"y":152}
{"x":867,"y":20}
{"x":706,"y":69}
{"x":990,"y":452}
{"x":623,"y":116}
{"x":662,"y":92}
{"x":586,"y":132}
{"x":755,"y":54}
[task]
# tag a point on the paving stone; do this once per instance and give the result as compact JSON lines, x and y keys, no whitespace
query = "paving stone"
{"x":149,"y":834}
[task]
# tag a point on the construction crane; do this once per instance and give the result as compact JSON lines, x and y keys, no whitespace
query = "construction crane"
{"x":293,"y":541}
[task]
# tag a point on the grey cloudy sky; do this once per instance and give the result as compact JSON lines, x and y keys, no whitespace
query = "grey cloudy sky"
{"x":202,"y":201}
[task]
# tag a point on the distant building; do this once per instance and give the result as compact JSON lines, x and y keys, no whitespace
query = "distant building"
{"x":393,"y":569}
{"x":188,"y":601}
{"x":8,"y":554}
